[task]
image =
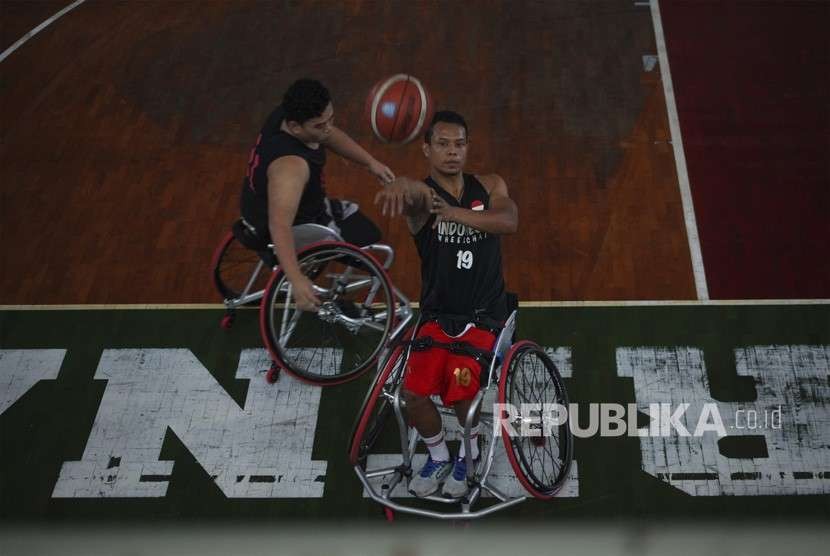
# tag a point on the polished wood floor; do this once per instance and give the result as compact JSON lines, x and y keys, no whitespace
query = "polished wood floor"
{"x":126,"y":126}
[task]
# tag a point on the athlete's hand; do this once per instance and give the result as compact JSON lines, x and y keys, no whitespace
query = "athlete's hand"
{"x":381,"y":172}
{"x":302,"y":290}
{"x":403,"y":192}
{"x":440,"y":208}
{"x":392,"y":198}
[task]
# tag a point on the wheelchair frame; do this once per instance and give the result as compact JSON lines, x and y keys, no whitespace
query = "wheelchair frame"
{"x":307,"y":237}
{"x":408,"y":436}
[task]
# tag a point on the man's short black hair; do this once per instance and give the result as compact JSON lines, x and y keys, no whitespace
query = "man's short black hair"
{"x":305,"y":99}
{"x":448,"y":117}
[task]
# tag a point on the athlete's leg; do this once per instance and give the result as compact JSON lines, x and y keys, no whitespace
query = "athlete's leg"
{"x":425,"y":377}
{"x":422,"y":414}
{"x":359,"y":230}
{"x":426,"y":419}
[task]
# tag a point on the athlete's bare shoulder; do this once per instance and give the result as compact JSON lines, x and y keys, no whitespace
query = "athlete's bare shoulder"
{"x":492,"y":182}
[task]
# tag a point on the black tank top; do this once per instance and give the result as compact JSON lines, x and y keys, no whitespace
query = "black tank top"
{"x":461,"y":272}
{"x":272,"y":144}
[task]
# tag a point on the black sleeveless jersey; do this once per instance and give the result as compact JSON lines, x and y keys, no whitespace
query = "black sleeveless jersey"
{"x":461,"y":272}
{"x":272,"y":144}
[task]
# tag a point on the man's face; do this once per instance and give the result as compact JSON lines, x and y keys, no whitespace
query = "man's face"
{"x":447,"y":151}
{"x":316,"y":130}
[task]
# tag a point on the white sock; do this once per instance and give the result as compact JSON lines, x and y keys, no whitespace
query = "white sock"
{"x":437,"y":447}
{"x":473,"y":442}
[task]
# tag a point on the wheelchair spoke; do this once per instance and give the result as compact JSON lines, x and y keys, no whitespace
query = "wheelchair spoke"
{"x":541,"y":460}
{"x":345,"y":334}
{"x":288,"y":325}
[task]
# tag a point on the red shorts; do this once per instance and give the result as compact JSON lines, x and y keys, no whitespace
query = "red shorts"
{"x":438,"y":371}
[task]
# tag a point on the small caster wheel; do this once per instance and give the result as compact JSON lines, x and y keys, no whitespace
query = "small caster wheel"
{"x":227,"y":321}
{"x":272,"y":375}
{"x":389,"y":514}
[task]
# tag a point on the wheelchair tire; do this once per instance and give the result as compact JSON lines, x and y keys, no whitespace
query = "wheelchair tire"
{"x":375,"y":409}
{"x":346,"y":335}
{"x":233,"y":264}
{"x":541,"y":463}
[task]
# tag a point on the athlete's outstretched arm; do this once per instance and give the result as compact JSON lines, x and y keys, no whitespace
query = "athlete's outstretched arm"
{"x":501,"y":218}
{"x":408,"y":197}
{"x":345,"y":146}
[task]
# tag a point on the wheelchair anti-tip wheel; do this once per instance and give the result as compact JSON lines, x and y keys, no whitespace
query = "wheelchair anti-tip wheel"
{"x":541,"y":461}
{"x":233,"y":267}
{"x":342,"y":338}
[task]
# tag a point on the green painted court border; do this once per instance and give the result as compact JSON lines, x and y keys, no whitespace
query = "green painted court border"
{"x":614,"y":485}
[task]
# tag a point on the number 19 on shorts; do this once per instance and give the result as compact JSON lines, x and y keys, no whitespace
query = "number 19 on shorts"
{"x":465,"y":259}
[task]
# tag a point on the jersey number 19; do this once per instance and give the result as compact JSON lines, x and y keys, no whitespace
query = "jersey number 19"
{"x":465,"y":259}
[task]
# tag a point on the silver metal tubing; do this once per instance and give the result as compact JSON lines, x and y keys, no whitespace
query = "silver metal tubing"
{"x":401,"y":326}
{"x":358,"y":284}
{"x":472,"y":498}
{"x":381,"y":472}
{"x":502,"y":345}
{"x":441,"y":499}
{"x":381,"y":315}
{"x":244,"y":299}
{"x":253,"y":277}
{"x":499,"y":494}
{"x":373,"y":290}
{"x":357,"y":323}
{"x":488,"y":461}
{"x":468,"y":425}
{"x":387,"y":250}
{"x":402,"y":428}
{"x":321,"y":291}
{"x":389,"y":503}
{"x":390,"y":487}
{"x":285,"y":313}
{"x":404,"y":301}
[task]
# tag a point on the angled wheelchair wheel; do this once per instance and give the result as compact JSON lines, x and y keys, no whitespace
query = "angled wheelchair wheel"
{"x":233,"y":268}
{"x":345,"y":336}
{"x":542,"y":460}
{"x":377,"y":408}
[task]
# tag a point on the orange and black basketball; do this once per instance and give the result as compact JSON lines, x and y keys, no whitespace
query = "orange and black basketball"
{"x":398,"y":108}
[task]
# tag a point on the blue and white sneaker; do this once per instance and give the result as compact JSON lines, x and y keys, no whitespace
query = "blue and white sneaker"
{"x":429,"y":478}
{"x":456,"y":484}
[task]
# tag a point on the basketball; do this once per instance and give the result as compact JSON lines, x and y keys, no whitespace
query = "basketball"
{"x":398,"y":108}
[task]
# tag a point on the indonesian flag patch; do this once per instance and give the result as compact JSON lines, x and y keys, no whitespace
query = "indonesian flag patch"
{"x":477,"y":205}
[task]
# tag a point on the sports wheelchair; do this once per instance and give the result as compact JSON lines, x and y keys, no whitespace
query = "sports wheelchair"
{"x":512,"y":374}
{"x":360,"y":311}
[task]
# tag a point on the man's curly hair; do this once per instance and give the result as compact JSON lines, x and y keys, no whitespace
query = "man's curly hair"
{"x":305,"y":99}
